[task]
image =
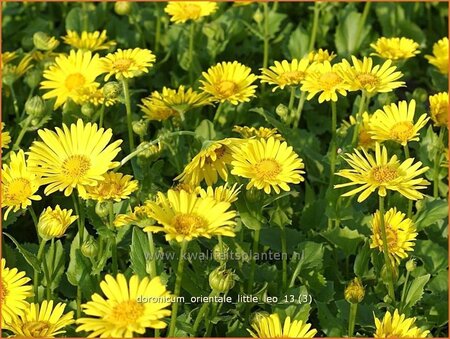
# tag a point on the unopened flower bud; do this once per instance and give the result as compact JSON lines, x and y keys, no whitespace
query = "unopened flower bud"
{"x":420,"y":95}
{"x":149,"y":152}
{"x":122,"y":7}
{"x":354,"y":292}
{"x":411,"y":265}
{"x":140,"y":127}
{"x":220,"y":252}
{"x":53,"y":223}
{"x":87,"y":109}
{"x":33,"y":77}
{"x":102,"y":209}
{"x":221,"y":280}
{"x":258,"y":16}
{"x":89,"y":248}
{"x":44,"y":42}
{"x":35,"y":106}
{"x":282,"y":111}
{"x":112,"y":90}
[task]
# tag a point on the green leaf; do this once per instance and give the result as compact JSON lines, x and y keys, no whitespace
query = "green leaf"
{"x":429,"y":211}
{"x":344,"y":238}
{"x":298,"y":43}
{"x":206,"y":130}
{"x":348,"y":38}
{"x":312,"y":254}
{"x":275,"y":20}
{"x":250,"y":214}
{"x":362,"y":259}
{"x":54,"y":259}
{"x":415,"y":291}
{"x":28,"y":256}
{"x":329,"y":324}
{"x":433,"y":256}
{"x":138,"y":251}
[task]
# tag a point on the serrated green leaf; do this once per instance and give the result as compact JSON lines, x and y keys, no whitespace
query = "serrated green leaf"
{"x":27,"y":255}
{"x":138,"y":252}
{"x":415,"y":291}
{"x":429,"y":211}
{"x":344,"y":238}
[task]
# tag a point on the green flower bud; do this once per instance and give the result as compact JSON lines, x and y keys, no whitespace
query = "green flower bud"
{"x":102,"y":209}
{"x":33,"y":77}
{"x":420,"y":95}
{"x":44,"y":42}
{"x":140,"y":127}
{"x":8,"y":75}
{"x":89,"y":248}
{"x":88,"y":109}
{"x":354,"y":292}
{"x":411,"y":265}
{"x":112,"y":90}
{"x":258,"y":16}
{"x":221,"y":279}
{"x":282,"y":111}
{"x":149,"y":152}
{"x":122,"y":7}
{"x":35,"y":106}
{"x":220,"y":252}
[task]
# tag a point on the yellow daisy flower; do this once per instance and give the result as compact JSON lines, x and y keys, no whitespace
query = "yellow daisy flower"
{"x":400,"y":234}
{"x":41,"y":321}
{"x":14,"y":292}
{"x":6,"y":138}
{"x":285,"y":73}
{"x":269,"y":164}
{"x":363,"y":76}
{"x":438,"y":108}
{"x":269,"y":326}
{"x":320,"y":56}
{"x":396,"y":122}
{"x":440,"y":56}
{"x":73,"y":157}
{"x":140,"y":216}
{"x":7,"y":57}
{"x":395,"y":48}
{"x":397,"y":326}
{"x":372,"y":173}
{"x":127,"y":63}
{"x":182,"y":11}
{"x":229,"y":81}
{"x":95,"y":96}
{"x":69,"y":75}
{"x":53,"y":223}
{"x":221,"y":193}
{"x":354,"y":292}
{"x":11,"y":73}
{"x":155,"y":109}
{"x":92,"y":41}
{"x":258,"y":133}
{"x":210,"y":163}
{"x":324,"y":79}
{"x":114,"y":186}
{"x":122,"y":315}
{"x":365,"y":138}
{"x":185,"y":216}
{"x":19,"y":183}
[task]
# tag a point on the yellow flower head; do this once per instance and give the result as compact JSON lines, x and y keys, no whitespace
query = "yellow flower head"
{"x":229,"y":81}
{"x":69,"y":75}
{"x":19,"y":183}
{"x":269,"y":164}
{"x":354,"y":292}
{"x":125,"y":311}
{"x":73,"y":157}
{"x":209,"y":163}
{"x":439,"y":108}
{"x":5,"y":137}
{"x":155,"y":109}
{"x":221,"y":193}
{"x":440,"y":56}
{"x":320,"y":56}
{"x":371,"y":173}
{"x":396,"y":122}
{"x":324,"y":79}
{"x":258,"y":133}
{"x":41,"y":321}
{"x":53,"y":223}
{"x":7,"y":57}
{"x":397,"y":326}
{"x":400,"y":234}
{"x":114,"y":186}
{"x":395,"y":48}
{"x":185,"y":216}
{"x":365,"y":138}
{"x":269,"y":326}
{"x":14,"y":292}
{"x":92,"y":41}
{"x":363,"y":76}
{"x":127,"y":63}
{"x":94,"y":96}
{"x":182,"y":11}
{"x":285,"y":73}
{"x":11,"y":73}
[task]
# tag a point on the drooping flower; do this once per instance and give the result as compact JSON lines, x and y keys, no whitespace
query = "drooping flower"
{"x":73,"y":157}
{"x":397,"y":326}
{"x":320,"y":56}
{"x":269,"y":326}
{"x":395,"y":48}
{"x":128,"y":63}
{"x":122,"y":314}
{"x":182,"y":11}
{"x":53,"y":223}
{"x":88,"y":41}
{"x":380,"y":173}
{"x":439,"y":58}
{"x":439,"y":108}
{"x":114,"y":186}
{"x":229,"y":81}
{"x":258,"y":133}
{"x":285,"y":73}
{"x":269,"y":164}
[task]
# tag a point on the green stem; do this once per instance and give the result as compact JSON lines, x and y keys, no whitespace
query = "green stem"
{"x":191,"y":49}
{"x":387,"y":260}
{"x":253,"y":261}
{"x":284,"y":257}
{"x":85,"y":17}
{"x":218,"y":114}
{"x":351,"y":319}
{"x":151,"y":248}
{"x":213,"y":315}
{"x":22,"y":133}
{"x":36,"y":273}
{"x":80,"y":222}
{"x":291,"y":100}
{"x":79,"y":296}
{"x":126,"y":93}
{"x":402,"y":300}
{"x":410,"y":202}
{"x":362,"y":104}
{"x":298,"y":113}
{"x":437,"y":164}
{"x":266,"y":35}
{"x":222,"y":258}
{"x":361,"y":23}
{"x":15,"y":102}
{"x":34,"y":217}
{"x":333,"y":142}
{"x":102,"y":115}
{"x":296,"y":272}
{"x":315,"y":26}
{"x":158,"y":28}
{"x":179,"y":276}
{"x":201,"y":312}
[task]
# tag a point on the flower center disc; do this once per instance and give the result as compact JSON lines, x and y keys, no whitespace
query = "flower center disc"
{"x":75,"y":167}
{"x":37,"y":329}
{"x":391,"y":237}
{"x":17,"y":191}
{"x":267,"y":169}
{"x":367,"y":79}
{"x":191,"y":11}
{"x":127,"y":312}
{"x":402,"y":130}
{"x":122,"y":64}
{"x":3,"y":292}
{"x":186,"y":222}
{"x":74,"y":81}
{"x":226,"y":88}
{"x":383,"y":174}
{"x":329,"y":80}
{"x":293,"y":77}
